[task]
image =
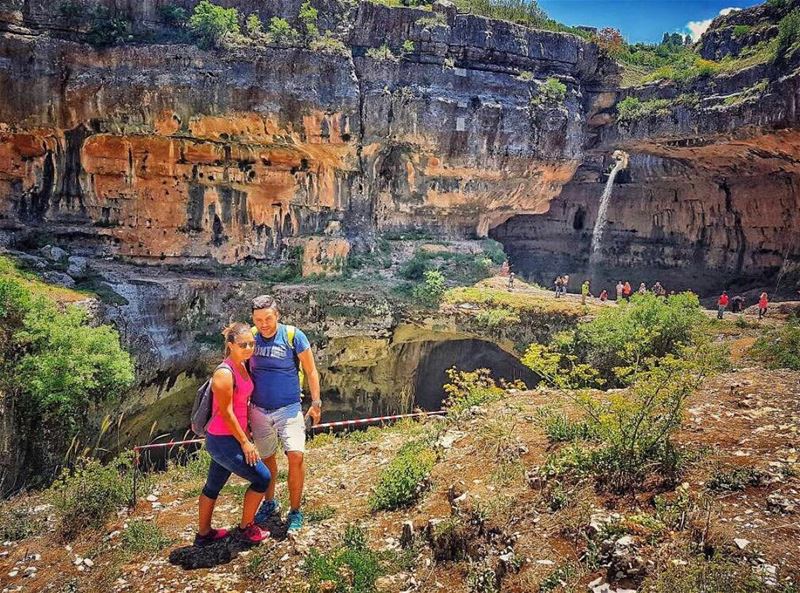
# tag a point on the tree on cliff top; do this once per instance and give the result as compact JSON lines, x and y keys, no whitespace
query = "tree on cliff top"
{"x":211,"y":23}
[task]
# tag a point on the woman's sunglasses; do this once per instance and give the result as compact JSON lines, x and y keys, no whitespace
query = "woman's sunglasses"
{"x":246,"y":344}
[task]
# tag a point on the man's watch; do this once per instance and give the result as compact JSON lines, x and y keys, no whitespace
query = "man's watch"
{"x":317,"y":403}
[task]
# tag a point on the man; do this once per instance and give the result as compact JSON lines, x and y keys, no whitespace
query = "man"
{"x":281,"y":351}
{"x":584,"y":291}
{"x":620,"y":286}
{"x":511,"y":281}
{"x":722,"y":304}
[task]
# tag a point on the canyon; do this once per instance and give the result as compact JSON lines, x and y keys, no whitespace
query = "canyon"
{"x":173,"y":167}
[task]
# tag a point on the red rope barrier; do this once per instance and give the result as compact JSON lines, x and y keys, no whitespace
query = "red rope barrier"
{"x":324,"y":425}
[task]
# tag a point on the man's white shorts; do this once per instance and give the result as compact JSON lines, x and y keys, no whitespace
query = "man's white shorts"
{"x":286,"y":424}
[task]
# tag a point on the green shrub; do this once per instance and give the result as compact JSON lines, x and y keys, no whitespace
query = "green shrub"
{"x":173,"y":16}
{"x":497,"y":317}
{"x":70,"y":366}
{"x":618,"y":341}
{"x":431,"y":291}
{"x":352,"y":567}
{"x":253,"y":26}
{"x":633,"y":429}
{"x":561,"y":429}
{"x":308,"y":16}
{"x":281,"y":32}
{"x":741,"y":30}
{"x":144,"y":536}
{"x":706,"y":67}
{"x":416,"y":267}
{"x":435,"y":20}
{"x":328,"y":44}
{"x":788,"y":34}
{"x":469,"y":388}
{"x":525,"y":12}
{"x":632,"y":109}
{"x":408,"y":46}
{"x":780,"y":348}
{"x":551,"y":92}
{"x":88,"y":495}
{"x":717,"y":575}
{"x":107,"y":30}
{"x":289,"y":271}
{"x":364,"y":436}
{"x":735,"y":479}
{"x":494,"y":251}
{"x":481,"y":578}
{"x":404,"y":479}
{"x":381,"y":53}
{"x":211,"y":23}
{"x":17,"y":523}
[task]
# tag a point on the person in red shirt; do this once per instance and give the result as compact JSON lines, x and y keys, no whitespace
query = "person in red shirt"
{"x":722,"y":304}
{"x":763,"y":303}
{"x":627,"y":291}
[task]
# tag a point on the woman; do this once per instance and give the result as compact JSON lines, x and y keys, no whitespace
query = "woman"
{"x":627,"y":291}
{"x":228,"y":442}
{"x":763,"y":303}
{"x":642,"y":288}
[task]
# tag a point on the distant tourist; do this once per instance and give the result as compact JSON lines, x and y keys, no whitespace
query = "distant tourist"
{"x":642,"y":288}
{"x":504,"y":269}
{"x":627,"y":291}
{"x":722,"y":304}
{"x":603,"y":296}
{"x":763,"y":303}
{"x":620,"y":286}
{"x":658,"y":290}
{"x":558,"y":282}
{"x":228,"y":441}
{"x":511,"y":277}
{"x":584,"y":291}
{"x":737,"y":304}
{"x":564,"y":283}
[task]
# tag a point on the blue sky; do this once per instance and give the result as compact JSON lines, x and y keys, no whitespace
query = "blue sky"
{"x":642,"y":20}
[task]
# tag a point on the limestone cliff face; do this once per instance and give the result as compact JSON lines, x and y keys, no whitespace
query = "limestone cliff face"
{"x":711,"y":198}
{"x":171,"y":152}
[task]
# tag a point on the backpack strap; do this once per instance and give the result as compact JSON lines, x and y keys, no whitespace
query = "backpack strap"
{"x":291,"y":331}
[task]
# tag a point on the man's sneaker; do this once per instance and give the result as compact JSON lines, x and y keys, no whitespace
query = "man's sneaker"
{"x":252,"y":534}
{"x":268,"y":508}
{"x":209,"y":538}
{"x":295,"y":521}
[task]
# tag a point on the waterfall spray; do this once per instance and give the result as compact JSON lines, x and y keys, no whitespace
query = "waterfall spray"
{"x":621,"y":159}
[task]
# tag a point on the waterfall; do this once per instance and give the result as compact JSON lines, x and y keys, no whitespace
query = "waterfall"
{"x":621,"y":159}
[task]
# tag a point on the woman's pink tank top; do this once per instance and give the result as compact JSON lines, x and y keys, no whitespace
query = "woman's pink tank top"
{"x":242,"y":390}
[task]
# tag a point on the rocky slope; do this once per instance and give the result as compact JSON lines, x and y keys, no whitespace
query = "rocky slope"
{"x":483,"y":518}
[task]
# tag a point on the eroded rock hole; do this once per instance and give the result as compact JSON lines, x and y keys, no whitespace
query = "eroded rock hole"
{"x":465,"y":355}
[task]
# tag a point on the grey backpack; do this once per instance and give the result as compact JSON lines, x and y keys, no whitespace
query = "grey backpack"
{"x":201,"y":410}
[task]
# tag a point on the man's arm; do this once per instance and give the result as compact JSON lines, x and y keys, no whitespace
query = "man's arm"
{"x":312,"y":374}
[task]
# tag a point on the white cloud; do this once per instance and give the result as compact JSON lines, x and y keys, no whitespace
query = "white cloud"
{"x":697,"y":28}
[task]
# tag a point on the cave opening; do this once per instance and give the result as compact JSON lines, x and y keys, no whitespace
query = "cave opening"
{"x":465,"y":355}
{"x":579,"y":220}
